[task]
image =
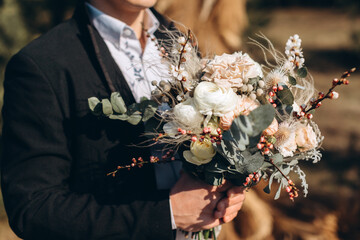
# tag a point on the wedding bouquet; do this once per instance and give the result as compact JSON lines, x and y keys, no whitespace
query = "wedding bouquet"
{"x":229,"y":117}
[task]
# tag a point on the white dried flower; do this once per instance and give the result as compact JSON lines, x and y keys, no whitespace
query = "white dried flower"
{"x":275,"y":77}
{"x":285,"y":139}
{"x":179,"y":73}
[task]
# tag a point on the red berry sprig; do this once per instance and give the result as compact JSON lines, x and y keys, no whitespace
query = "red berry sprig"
{"x":253,"y":178}
{"x":265,"y":146}
{"x":316,"y":103}
{"x":292,"y":190}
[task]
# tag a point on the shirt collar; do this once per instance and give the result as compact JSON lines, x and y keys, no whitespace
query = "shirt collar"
{"x":112,"y":29}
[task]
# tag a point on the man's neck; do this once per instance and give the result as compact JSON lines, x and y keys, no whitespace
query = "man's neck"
{"x":133,"y":17}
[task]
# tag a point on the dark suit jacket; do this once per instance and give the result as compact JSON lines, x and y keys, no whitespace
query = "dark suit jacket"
{"x":56,"y":154}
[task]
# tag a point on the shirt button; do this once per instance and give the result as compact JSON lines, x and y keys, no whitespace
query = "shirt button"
{"x":127,"y":32}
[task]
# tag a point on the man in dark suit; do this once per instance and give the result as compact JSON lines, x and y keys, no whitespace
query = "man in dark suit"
{"x":56,"y":154}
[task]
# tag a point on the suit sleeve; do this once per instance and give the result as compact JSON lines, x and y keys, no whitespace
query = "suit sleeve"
{"x":36,"y":167}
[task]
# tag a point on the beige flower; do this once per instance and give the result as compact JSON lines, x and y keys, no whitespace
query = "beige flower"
{"x":272,"y":129}
{"x":285,"y":139}
{"x":231,"y":70}
{"x":245,"y":105}
{"x":226,"y":120}
{"x":305,"y":138}
{"x":201,"y":152}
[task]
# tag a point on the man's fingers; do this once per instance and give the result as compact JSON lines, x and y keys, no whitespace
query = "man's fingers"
{"x":235,"y":190}
{"x":216,"y":223}
{"x":234,"y":209}
{"x":229,"y":201}
{"x":229,"y":218}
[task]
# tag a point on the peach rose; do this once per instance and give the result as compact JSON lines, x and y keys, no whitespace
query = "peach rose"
{"x":305,"y":138}
{"x":245,"y":105}
{"x":272,"y":129}
{"x":226,"y":120}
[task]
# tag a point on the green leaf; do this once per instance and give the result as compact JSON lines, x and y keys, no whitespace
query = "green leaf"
{"x":277,"y":159}
{"x":135,"y":107}
{"x":107,"y":108}
{"x":123,"y":117}
{"x":149,"y":112}
{"x":251,"y":162}
{"x":285,"y":96}
{"x":278,"y":192}
{"x":261,"y":118}
{"x":142,"y":99}
{"x":135,"y":118}
{"x":292,"y":80}
{"x":214,"y":179}
{"x":302,"y":72}
{"x":118,"y":103}
{"x":93,"y":102}
{"x":228,"y":150}
{"x":217,"y":165}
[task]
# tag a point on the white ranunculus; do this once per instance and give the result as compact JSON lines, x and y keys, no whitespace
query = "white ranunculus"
{"x":200,"y":152}
{"x":187,"y":114}
{"x":210,"y":99}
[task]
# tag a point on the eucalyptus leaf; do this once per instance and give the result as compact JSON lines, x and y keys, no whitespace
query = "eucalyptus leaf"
{"x":302,"y":72}
{"x":228,"y":150}
{"x":135,"y":107}
{"x":277,"y":195}
{"x":292,"y":80}
{"x":285,"y":96}
{"x":107,"y":108}
{"x":214,"y":179}
{"x":217,"y":165}
{"x":142,"y":99}
{"x":98,"y":110}
{"x":277,"y":159}
{"x":250,"y":163}
{"x":261,"y":118}
{"x":135,"y":118}
{"x":123,"y":117}
{"x":93,"y":102}
{"x":149,"y":112}
{"x":118,"y":103}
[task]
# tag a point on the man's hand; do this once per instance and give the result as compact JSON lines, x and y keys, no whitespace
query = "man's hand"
{"x":197,"y":205}
{"x":228,"y":207}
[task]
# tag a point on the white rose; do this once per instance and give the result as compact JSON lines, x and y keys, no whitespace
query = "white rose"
{"x":305,"y":138}
{"x":210,"y":99}
{"x":187,"y":114}
{"x":200,"y":152}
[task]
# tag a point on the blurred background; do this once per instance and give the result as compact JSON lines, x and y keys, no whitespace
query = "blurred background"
{"x":330,"y":30}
